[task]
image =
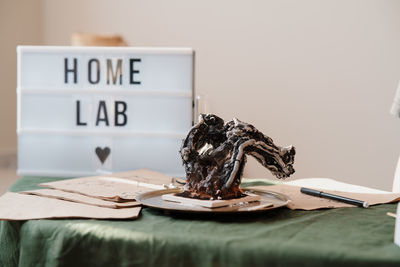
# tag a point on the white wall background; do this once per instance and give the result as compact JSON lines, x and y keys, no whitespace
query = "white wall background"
{"x":20,"y":23}
{"x":320,"y":75}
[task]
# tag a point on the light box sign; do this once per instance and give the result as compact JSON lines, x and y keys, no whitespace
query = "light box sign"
{"x":92,"y":110}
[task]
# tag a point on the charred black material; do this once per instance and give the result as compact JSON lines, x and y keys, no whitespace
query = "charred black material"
{"x":214,"y":156}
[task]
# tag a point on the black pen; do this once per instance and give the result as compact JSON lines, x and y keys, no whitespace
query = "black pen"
{"x":347,"y":200}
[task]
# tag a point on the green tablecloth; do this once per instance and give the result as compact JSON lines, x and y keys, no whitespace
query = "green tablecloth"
{"x":335,"y":237}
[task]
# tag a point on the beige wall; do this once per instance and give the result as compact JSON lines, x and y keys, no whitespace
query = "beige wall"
{"x":20,"y":23}
{"x":320,"y":75}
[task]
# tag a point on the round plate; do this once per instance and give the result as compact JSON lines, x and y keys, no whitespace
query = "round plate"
{"x":154,"y":199}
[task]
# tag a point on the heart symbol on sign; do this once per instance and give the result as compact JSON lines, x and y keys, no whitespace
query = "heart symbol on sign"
{"x":102,"y":153}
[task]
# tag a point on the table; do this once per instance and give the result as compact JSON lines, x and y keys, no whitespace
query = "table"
{"x":333,"y":237}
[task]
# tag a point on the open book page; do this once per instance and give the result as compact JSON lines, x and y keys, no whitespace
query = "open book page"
{"x":15,"y":206}
{"x":79,"y":198}
{"x":302,"y":201}
{"x":145,"y":176}
{"x":331,"y":184}
{"x":116,"y":187}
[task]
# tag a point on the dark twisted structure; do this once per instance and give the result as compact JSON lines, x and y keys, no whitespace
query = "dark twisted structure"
{"x":214,"y":156}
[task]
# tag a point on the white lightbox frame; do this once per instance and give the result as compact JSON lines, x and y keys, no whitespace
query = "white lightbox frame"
{"x":49,"y":146}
